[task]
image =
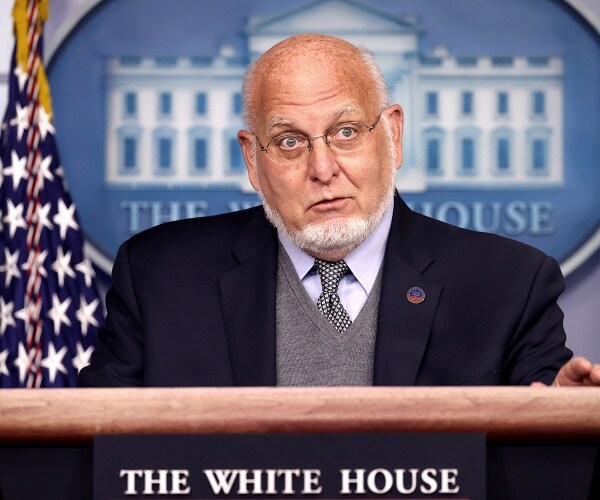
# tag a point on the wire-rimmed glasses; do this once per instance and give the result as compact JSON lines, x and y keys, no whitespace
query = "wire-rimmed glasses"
{"x":293,"y":147}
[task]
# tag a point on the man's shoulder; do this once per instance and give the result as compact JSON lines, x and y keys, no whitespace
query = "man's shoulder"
{"x":219,"y":227}
{"x":455,"y":245}
{"x":486,"y":269}
{"x":202,"y":237}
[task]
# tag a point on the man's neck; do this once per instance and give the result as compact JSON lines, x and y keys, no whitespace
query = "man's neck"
{"x":367,"y":255}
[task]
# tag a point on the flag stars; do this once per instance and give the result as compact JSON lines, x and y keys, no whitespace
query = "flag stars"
{"x":83,"y":357}
{"x":40,"y":216}
{"x":30,"y":313}
{"x":58,"y":313}
{"x":53,"y":361}
{"x":14,"y":217}
{"x":44,"y":123}
{"x":85,"y":268}
{"x":60,"y":172}
{"x":22,"y":362}
{"x":48,"y":302}
{"x":35,"y":263}
{"x":65,"y":218}
{"x":18,"y":169}
{"x":6,"y":315}
{"x":21,"y":120}
{"x":44,"y":171}
{"x":62,"y":266}
{"x":10,"y":267}
{"x":85,"y":314}
{"x":21,"y":76}
{"x":3,"y":358}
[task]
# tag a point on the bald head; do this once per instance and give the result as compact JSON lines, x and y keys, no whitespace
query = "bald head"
{"x":300,"y":62}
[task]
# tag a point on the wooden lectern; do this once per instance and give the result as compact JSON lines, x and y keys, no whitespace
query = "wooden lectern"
{"x":542,"y":442}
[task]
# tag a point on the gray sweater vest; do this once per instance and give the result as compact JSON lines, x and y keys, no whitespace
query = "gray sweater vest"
{"x":310,"y":351}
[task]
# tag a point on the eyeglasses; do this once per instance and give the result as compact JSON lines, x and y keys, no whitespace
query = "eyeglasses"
{"x":292,"y":147}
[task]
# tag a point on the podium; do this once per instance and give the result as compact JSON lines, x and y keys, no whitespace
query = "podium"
{"x":541,"y":442}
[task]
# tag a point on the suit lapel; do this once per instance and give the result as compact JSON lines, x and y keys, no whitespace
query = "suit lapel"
{"x":248,"y":300}
{"x":403,"y":327}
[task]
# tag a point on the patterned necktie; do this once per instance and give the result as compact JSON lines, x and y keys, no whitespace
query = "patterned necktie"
{"x":329,"y":301}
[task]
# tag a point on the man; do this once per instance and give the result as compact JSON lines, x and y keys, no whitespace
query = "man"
{"x":351,"y":288}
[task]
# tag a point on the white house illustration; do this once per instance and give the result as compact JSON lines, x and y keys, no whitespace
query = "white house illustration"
{"x":480,"y":122}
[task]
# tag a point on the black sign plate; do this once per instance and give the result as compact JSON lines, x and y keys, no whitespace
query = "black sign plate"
{"x":273,"y":466}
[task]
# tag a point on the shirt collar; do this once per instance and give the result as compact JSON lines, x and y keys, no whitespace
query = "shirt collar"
{"x":364,"y":261}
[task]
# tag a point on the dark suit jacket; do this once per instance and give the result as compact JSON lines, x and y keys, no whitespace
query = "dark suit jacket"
{"x":193,"y":304}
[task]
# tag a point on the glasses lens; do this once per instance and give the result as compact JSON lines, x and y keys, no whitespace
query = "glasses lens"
{"x":289,"y":148}
{"x":348,"y":137}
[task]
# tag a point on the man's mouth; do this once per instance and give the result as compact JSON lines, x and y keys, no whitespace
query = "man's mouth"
{"x":329,"y":204}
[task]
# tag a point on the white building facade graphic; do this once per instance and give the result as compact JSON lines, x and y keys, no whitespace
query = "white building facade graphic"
{"x":477,"y":122}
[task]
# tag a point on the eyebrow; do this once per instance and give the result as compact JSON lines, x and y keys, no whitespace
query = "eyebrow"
{"x":349,"y":109}
{"x":277,"y":121}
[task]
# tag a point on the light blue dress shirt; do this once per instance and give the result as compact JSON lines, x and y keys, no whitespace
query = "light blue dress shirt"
{"x":364,"y":263}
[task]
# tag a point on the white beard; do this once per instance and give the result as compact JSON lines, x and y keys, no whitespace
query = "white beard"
{"x":335,"y":235}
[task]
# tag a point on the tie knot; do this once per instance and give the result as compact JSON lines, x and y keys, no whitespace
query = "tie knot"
{"x":331,"y":274}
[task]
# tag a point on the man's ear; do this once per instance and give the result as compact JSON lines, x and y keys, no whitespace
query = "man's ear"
{"x":396,"y":120}
{"x":248,"y":145}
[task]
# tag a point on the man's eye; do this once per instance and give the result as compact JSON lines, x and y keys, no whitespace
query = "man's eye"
{"x":344,"y":133}
{"x":289,"y":142}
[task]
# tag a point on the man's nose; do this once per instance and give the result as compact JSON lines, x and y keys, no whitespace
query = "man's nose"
{"x":322,"y":163}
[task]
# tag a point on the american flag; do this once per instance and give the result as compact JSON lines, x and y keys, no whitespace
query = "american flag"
{"x":49,"y":306}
